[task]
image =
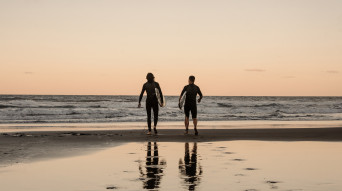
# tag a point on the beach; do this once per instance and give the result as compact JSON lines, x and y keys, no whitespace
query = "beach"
{"x":86,"y":86}
{"x":29,"y":148}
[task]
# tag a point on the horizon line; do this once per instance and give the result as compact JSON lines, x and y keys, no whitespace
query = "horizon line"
{"x":170,"y":95}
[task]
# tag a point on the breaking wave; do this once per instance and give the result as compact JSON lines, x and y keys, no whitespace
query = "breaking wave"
{"x":90,"y":109}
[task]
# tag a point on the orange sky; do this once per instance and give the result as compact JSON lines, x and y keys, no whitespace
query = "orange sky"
{"x":241,"y":48}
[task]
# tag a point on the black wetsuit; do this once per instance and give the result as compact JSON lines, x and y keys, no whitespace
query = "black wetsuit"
{"x":190,"y":101}
{"x":151,"y":101}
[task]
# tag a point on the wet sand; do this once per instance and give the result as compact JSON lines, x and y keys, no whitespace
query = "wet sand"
{"x":30,"y":146}
{"x":262,"y":157}
{"x":220,"y":165}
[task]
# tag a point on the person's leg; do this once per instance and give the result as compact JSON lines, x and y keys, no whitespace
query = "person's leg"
{"x":148,"y":111}
{"x":194,"y":118}
{"x":155,"y":112}
{"x":186,"y":120}
{"x":195,"y":125}
{"x":186,"y":123}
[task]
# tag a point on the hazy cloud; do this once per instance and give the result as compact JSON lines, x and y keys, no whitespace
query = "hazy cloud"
{"x":333,"y":72}
{"x":255,"y":70}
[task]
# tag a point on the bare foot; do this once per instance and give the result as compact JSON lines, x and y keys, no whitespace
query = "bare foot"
{"x":186,"y":132}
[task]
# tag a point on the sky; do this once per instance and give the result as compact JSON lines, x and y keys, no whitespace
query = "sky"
{"x":233,"y":48}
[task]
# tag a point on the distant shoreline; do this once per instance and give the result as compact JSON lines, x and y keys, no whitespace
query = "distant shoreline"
{"x":168,"y":95}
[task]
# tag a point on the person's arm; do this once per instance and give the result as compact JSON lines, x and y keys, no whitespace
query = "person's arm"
{"x":161,"y":93}
{"x":200,"y":94}
{"x":141,"y":95}
{"x":180,"y":97}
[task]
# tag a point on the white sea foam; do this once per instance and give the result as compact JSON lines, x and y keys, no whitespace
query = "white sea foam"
{"x":93,"y":109}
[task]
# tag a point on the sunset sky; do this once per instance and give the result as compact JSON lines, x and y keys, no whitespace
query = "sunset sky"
{"x":234,"y":48}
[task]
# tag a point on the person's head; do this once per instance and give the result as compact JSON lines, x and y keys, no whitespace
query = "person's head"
{"x":191,"y":79}
{"x":150,"y":77}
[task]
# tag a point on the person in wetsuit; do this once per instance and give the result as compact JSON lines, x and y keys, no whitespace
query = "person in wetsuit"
{"x":190,"y":103}
{"x":151,"y":101}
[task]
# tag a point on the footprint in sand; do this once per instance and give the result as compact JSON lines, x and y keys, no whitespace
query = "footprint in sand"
{"x":111,"y":187}
{"x":251,"y":169}
{"x":272,"y":184}
{"x":238,"y":160}
{"x":228,"y":153}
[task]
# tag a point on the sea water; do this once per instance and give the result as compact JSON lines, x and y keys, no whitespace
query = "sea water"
{"x":106,"y":109}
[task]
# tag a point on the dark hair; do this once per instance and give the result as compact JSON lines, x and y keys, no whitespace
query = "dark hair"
{"x":192,"y":78}
{"x":150,"y":77}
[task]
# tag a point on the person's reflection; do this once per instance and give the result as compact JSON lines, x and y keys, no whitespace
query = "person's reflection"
{"x":154,"y":169}
{"x":188,"y":167}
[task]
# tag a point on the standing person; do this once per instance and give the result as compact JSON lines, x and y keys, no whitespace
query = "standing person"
{"x":190,"y":103}
{"x":151,"y":101}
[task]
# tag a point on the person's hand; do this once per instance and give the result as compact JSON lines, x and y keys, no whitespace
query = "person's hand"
{"x":139,"y":105}
{"x":199,"y":100}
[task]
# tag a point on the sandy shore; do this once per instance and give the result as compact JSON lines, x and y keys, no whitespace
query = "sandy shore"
{"x":30,"y":146}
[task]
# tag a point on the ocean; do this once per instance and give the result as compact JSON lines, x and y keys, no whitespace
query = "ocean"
{"x":107,"y":109}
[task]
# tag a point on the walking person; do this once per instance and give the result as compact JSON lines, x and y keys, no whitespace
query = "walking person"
{"x":190,"y":103}
{"x":151,"y":101}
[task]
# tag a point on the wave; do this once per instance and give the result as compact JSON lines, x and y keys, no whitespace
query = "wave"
{"x":225,"y":105}
{"x":56,"y":107}
{"x":7,"y":106}
{"x":10,"y":98}
{"x":269,"y":105}
{"x":89,"y":109}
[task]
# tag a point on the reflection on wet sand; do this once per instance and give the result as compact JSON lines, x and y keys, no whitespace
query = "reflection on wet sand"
{"x":249,"y":165}
{"x":154,"y":169}
{"x":188,"y":168}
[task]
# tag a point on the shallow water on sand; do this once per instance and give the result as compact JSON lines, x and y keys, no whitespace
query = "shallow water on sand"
{"x":229,"y":165}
